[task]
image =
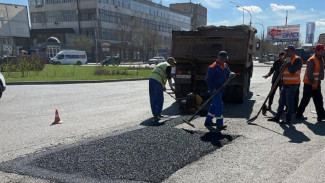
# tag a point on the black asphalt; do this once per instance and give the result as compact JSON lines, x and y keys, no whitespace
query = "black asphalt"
{"x":149,"y":154}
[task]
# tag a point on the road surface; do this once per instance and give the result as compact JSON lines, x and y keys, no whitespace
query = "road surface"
{"x":107,"y":135}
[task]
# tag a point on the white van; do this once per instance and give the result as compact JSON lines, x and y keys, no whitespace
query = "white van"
{"x":68,"y":57}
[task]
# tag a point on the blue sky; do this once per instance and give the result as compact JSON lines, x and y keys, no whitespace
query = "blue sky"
{"x":272,"y":13}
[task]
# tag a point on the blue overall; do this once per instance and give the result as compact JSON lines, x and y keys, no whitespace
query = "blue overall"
{"x":156,"y":96}
{"x":216,"y":76}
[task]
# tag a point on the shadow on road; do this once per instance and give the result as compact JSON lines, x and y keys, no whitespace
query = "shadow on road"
{"x":169,"y":111}
{"x":215,"y":138}
{"x":318,"y":128}
{"x":293,"y":134}
{"x":243,"y":110}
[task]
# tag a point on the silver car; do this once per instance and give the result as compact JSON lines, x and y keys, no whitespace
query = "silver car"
{"x":2,"y":84}
{"x":156,"y":60}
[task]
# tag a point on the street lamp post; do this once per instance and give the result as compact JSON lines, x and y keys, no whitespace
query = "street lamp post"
{"x":97,"y":35}
{"x":250,"y":20}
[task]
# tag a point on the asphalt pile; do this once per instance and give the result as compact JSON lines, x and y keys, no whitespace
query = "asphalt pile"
{"x":149,"y":154}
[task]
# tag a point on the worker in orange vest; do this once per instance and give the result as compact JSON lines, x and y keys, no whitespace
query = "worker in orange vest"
{"x":291,"y":82}
{"x":313,"y":75}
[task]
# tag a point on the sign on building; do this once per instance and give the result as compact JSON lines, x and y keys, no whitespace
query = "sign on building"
{"x":14,"y":21}
{"x":310,"y":31}
{"x":285,"y":33}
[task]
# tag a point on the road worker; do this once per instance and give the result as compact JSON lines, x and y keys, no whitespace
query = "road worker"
{"x":275,"y":70}
{"x":217,"y":75}
{"x":312,"y":79}
{"x":291,"y":82}
{"x":160,"y":74}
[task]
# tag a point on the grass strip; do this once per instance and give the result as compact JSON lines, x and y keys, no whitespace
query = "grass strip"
{"x":76,"y":73}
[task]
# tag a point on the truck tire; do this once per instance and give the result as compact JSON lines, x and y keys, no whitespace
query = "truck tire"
{"x":242,"y":90}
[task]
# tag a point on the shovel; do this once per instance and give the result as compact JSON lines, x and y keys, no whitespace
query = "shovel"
{"x":274,"y":87}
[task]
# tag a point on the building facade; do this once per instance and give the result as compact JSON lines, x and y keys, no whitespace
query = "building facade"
{"x":197,"y":12}
{"x":14,"y":29}
{"x":133,"y":29}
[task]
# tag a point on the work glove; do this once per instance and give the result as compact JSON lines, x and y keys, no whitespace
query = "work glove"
{"x":232,"y":75}
{"x":266,"y":76}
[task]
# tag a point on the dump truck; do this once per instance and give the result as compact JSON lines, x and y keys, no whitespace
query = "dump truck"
{"x":195,"y":50}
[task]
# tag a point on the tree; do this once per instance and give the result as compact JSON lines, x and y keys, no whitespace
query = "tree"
{"x":81,"y":42}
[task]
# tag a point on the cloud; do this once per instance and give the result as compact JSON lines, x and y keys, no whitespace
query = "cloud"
{"x":320,"y":24}
{"x":213,"y":3}
{"x":252,"y":9}
{"x":277,"y":7}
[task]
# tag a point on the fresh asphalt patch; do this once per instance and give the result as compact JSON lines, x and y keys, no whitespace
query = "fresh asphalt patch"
{"x":149,"y":154}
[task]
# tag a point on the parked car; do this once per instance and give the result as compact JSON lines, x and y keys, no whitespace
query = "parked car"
{"x":156,"y":60}
{"x":70,"y":57}
{"x":2,"y":84}
{"x":111,"y":61}
{"x":271,"y":57}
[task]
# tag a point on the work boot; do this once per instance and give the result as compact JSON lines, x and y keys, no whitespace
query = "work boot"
{"x":161,"y":116}
{"x":274,"y":119}
{"x":300,"y":116}
{"x":156,"y":118}
{"x":264,"y":109}
{"x":209,"y":123}
{"x":286,"y":121}
{"x":221,"y":127}
{"x":320,"y":118}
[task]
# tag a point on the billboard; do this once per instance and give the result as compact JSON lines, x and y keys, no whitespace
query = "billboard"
{"x":310,"y":31}
{"x":284,"y":33}
{"x":14,"y":21}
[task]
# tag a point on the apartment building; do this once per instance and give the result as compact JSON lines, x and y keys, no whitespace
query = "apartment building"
{"x":197,"y":12}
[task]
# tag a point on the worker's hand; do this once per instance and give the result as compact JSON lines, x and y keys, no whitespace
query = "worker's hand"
{"x":288,"y":60}
{"x":314,"y":86}
{"x":232,"y":75}
{"x":266,"y":76}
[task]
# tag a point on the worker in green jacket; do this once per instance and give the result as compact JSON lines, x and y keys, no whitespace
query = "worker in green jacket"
{"x":160,"y":74}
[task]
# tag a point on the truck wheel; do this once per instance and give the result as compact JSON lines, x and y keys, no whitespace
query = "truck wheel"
{"x":241,"y":91}
{"x":79,"y":63}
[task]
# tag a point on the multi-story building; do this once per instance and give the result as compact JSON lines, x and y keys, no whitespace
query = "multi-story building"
{"x":197,"y":12}
{"x":132,"y":29}
{"x":14,"y":29}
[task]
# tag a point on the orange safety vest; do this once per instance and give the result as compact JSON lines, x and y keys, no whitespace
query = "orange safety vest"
{"x":291,"y":79}
{"x":316,"y":71}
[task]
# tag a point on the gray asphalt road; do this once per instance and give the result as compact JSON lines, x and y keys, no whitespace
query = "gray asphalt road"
{"x":265,"y":151}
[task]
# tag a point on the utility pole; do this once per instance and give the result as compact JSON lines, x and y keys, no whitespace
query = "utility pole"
{"x":250,"y":21}
{"x":286,"y":17}
{"x":243,"y":17}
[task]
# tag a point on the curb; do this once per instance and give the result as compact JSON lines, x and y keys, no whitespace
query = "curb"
{"x":72,"y":82}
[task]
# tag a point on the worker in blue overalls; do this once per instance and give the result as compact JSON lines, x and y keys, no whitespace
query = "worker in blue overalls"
{"x":218,"y":73}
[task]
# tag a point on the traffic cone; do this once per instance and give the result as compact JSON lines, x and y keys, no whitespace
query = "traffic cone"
{"x":57,"y":119}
